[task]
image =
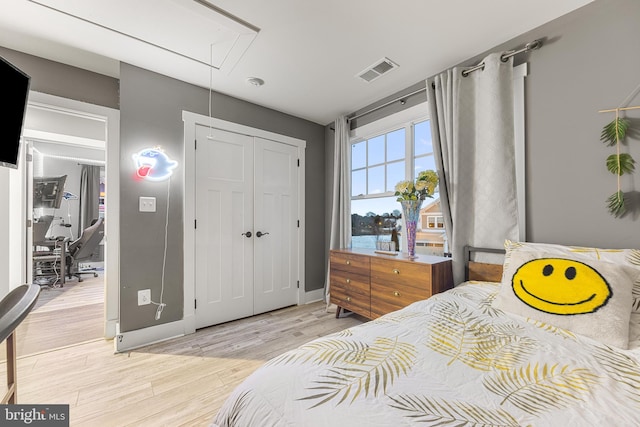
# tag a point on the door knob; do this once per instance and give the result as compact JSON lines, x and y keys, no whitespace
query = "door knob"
{"x":248,"y":234}
{"x":260,"y":234}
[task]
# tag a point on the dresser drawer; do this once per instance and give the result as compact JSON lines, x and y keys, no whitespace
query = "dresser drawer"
{"x":373,"y":284}
{"x":388,"y":297}
{"x":401,"y":273}
{"x":350,"y":282}
{"x":355,"y":302}
{"x":353,"y":263}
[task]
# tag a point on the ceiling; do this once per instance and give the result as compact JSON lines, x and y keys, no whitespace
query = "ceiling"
{"x":308,"y":53}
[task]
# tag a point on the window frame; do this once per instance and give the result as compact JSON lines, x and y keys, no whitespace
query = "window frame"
{"x":405,"y":119}
{"x":436,"y":220}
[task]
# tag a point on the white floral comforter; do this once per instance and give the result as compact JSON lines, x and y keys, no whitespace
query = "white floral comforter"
{"x":451,"y":360}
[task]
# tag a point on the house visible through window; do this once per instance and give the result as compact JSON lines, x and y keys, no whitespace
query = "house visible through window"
{"x":382,"y":154}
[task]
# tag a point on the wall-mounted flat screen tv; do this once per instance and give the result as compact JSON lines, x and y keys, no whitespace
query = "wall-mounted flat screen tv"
{"x":14,"y":92}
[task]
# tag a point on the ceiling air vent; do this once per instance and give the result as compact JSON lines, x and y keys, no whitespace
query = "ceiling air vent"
{"x":376,"y":70}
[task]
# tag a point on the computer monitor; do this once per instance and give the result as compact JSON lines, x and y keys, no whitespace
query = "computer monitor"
{"x":48,"y":191}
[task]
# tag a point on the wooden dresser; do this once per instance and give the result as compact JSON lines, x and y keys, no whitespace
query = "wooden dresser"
{"x":372,"y":284}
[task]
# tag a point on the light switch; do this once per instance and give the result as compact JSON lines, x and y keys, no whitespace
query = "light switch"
{"x":147,"y":204}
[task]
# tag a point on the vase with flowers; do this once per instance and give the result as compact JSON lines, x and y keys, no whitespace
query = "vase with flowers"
{"x":410,"y":194}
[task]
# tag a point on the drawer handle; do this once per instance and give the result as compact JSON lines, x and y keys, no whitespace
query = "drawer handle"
{"x":348,"y":280}
{"x":348,"y":262}
{"x":348,"y":299}
{"x":396,"y":271}
{"x":396,"y":293}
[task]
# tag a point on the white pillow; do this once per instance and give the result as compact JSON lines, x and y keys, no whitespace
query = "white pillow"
{"x":628,"y":257}
{"x":587,"y":297}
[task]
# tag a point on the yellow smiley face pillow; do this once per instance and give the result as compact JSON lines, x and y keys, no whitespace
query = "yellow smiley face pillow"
{"x":588,"y":297}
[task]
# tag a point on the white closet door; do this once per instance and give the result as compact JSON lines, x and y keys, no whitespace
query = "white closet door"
{"x":276,"y":205}
{"x":224,"y":211}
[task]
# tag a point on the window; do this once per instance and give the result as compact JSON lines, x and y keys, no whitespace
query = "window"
{"x":383,"y":153}
{"x":377,"y":164}
{"x":434,"y":221}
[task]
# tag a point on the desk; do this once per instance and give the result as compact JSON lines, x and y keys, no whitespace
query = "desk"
{"x":50,"y":264}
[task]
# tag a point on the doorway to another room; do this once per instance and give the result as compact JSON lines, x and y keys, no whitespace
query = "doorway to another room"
{"x":66,"y":175}
{"x":68,"y":194}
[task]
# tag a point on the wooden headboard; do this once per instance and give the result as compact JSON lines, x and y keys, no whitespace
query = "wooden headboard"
{"x":479,"y":270}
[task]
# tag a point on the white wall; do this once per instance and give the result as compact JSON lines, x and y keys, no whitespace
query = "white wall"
{"x":12,"y":247}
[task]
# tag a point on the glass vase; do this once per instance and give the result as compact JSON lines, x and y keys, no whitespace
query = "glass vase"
{"x":411,"y":214}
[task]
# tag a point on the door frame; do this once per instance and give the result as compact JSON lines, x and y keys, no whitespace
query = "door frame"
{"x":111,"y":118}
{"x":191,"y":120}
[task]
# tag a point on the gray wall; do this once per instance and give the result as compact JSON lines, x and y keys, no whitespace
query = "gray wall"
{"x":151,"y":113}
{"x":64,"y":80}
{"x":151,"y":108}
{"x":589,"y":62}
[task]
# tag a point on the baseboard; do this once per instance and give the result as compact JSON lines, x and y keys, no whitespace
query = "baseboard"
{"x":110,"y":329}
{"x":314,"y":296}
{"x":125,"y":341}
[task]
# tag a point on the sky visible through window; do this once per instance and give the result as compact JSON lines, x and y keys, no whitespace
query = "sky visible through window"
{"x":377,"y":167}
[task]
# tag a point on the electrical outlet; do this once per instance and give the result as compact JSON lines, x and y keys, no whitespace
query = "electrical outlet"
{"x":147,"y":204}
{"x":144,"y":297}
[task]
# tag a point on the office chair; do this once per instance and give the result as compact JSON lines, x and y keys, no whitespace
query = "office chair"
{"x":14,"y":307}
{"x":83,"y":248}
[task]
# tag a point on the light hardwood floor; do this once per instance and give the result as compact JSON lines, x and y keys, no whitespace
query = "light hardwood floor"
{"x":63,"y":316}
{"x":181,"y":382}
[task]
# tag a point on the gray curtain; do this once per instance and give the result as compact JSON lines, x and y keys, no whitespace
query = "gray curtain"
{"x":473,"y":141}
{"x":89,"y":196}
{"x":340,"y":236}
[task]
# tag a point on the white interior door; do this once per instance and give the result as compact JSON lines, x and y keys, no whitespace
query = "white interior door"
{"x":224,"y":215}
{"x":276,"y":205}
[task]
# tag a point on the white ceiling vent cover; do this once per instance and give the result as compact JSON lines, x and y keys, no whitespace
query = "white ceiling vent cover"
{"x":376,"y":70}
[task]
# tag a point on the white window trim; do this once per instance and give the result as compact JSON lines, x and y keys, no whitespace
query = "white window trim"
{"x":403,"y":119}
{"x":415,"y":114}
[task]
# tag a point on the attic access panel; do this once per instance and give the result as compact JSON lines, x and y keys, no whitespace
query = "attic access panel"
{"x":195,"y":29}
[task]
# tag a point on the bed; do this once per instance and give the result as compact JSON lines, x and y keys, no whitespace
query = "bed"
{"x":458,"y":359}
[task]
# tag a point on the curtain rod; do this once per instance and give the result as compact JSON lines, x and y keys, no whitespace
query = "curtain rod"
{"x":400,"y":98}
{"x":536,"y":44}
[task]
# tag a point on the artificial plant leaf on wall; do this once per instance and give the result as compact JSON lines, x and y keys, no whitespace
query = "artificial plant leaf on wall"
{"x":614,"y":131}
{"x":616,"y":204}
{"x":619,"y":164}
